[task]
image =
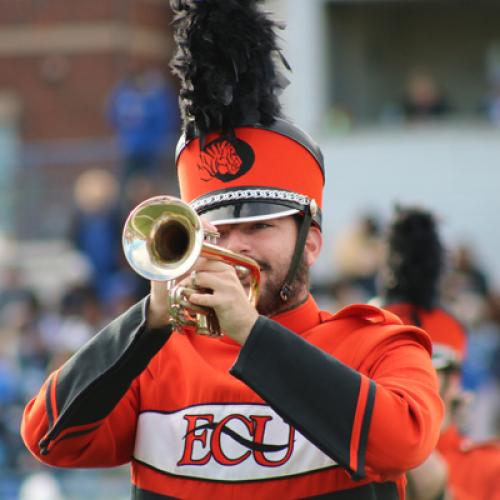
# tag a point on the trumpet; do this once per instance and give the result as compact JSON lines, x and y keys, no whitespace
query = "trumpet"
{"x":162,"y":239}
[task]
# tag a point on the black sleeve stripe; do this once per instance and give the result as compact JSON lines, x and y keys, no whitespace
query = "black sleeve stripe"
{"x":92,"y":382}
{"x":70,"y":435}
{"x":365,"y":427}
{"x":48,"y":403}
{"x":306,"y":386}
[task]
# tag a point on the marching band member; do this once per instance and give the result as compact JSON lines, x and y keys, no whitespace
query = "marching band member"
{"x":457,"y":469}
{"x":291,"y":401}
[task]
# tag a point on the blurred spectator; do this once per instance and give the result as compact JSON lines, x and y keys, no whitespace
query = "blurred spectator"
{"x":80,"y":315}
{"x":358,"y":254}
{"x":466,"y":271}
{"x":493,"y":103}
{"x":97,"y":225}
{"x":13,"y":290}
{"x":424,"y":99}
{"x":480,"y":372}
{"x":143,"y":110}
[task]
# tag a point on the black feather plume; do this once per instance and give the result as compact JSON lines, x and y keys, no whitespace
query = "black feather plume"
{"x":415,"y":258}
{"x":226,"y":62}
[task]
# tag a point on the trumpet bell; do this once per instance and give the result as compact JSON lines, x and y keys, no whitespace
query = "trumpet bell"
{"x":162,"y":238}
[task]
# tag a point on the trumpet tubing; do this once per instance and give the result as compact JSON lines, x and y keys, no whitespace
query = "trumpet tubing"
{"x":162,"y":239}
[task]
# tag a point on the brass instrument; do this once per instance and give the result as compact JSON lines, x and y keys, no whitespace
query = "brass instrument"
{"x":163,"y":238}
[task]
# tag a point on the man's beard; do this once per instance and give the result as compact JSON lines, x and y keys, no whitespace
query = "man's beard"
{"x":270,"y":302}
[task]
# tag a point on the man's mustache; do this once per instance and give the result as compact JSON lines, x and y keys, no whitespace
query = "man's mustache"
{"x":264,"y":266}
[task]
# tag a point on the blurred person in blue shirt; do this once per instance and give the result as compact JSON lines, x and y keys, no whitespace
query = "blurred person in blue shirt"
{"x":96,"y":225}
{"x":143,"y":110}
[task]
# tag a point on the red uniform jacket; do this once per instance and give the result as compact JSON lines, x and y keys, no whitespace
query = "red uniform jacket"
{"x":474,"y":469}
{"x":312,"y":405}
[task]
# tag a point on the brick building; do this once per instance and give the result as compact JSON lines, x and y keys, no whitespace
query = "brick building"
{"x":58,"y":62}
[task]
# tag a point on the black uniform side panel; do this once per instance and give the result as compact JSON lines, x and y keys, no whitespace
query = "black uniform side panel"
{"x":373,"y":491}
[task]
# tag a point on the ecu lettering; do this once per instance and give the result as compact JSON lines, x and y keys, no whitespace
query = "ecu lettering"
{"x":203,"y":441}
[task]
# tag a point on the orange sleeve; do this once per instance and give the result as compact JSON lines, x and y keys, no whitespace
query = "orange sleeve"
{"x":85,"y":414}
{"x":87,"y":445}
{"x":407,"y":412}
{"x":377,"y":420}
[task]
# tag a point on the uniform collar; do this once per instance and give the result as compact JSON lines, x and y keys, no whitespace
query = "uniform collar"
{"x":302,"y":318}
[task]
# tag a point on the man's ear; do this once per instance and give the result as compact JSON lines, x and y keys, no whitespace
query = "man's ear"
{"x":314,"y":243}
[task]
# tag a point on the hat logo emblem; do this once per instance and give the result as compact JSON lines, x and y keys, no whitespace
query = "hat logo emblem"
{"x":225,"y":159}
